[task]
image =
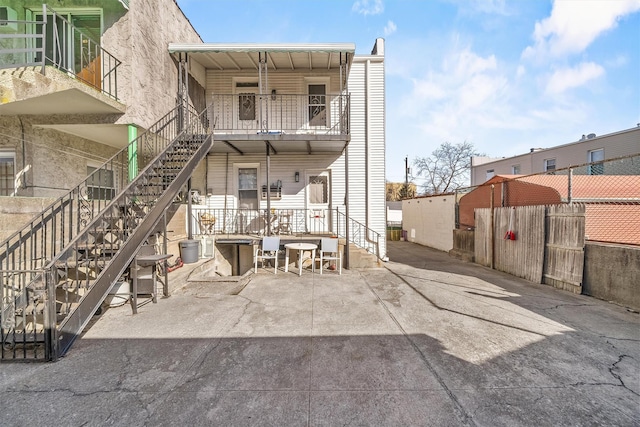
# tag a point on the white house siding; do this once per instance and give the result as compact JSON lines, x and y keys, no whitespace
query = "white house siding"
{"x":430,"y":221}
{"x":618,"y":144}
{"x":286,"y":82}
{"x":221,"y":178}
{"x":367,"y":146}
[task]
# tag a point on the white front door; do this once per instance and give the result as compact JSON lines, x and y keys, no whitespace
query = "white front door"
{"x":318,"y":191}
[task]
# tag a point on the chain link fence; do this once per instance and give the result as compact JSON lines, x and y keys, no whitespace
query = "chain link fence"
{"x":609,"y":189}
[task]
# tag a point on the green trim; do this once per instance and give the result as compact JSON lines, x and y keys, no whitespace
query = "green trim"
{"x":133,"y":152}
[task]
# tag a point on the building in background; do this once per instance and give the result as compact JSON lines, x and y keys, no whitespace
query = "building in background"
{"x":589,"y":149}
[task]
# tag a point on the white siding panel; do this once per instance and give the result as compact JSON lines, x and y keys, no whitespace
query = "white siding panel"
{"x":366,"y":175}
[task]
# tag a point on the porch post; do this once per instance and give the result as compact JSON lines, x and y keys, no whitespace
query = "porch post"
{"x":268,"y":190}
{"x":189,"y":211}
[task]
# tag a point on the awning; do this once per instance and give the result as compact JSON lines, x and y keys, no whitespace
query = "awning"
{"x":246,"y":56}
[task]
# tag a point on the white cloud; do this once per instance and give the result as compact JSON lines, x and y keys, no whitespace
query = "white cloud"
{"x":368,"y":7}
{"x":521,"y":71}
{"x":390,"y":28}
{"x":568,"y":78}
{"x":574,"y":25}
{"x":467,"y":85}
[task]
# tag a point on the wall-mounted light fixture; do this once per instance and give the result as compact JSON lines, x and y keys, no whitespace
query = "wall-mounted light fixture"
{"x":273,"y":94}
{"x":296,"y":176}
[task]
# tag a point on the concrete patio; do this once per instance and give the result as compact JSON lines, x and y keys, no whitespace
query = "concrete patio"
{"x":427,"y":340}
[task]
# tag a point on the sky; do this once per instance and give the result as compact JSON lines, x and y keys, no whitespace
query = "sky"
{"x":504,"y":75}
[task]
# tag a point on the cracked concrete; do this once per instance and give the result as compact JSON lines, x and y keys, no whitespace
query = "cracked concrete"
{"x":427,"y":340}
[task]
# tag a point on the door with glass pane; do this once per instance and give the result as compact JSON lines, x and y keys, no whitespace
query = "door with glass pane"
{"x":318,"y":202}
{"x":317,"y":108}
{"x":247,"y":108}
{"x":248,"y":203}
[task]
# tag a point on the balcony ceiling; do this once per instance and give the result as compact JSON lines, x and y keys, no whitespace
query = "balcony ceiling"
{"x":69,"y":101}
{"x":243,"y":56}
{"x":280,"y":144}
{"x":113,"y":135}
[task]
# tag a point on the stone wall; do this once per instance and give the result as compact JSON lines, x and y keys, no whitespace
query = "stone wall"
{"x":612,"y":273}
{"x":18,"y":211}
{"x":149,"y":74}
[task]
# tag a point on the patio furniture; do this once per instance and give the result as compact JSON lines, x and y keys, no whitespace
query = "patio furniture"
{"x":284,"y":221}
{"x":300,"y":247}
{"x":330,"y":251}
{"x":268,"y":250}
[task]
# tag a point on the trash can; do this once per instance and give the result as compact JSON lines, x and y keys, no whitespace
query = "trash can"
{"x":118,"y":294}
{"x":189,"y":251}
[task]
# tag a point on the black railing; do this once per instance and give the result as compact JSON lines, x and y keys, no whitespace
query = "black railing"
{"x":55,"y":246}
{"x":233,"y":222}
{"x":54,"y":41}
{"x":250,"y":113}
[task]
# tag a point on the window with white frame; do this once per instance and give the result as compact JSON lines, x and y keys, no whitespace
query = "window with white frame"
{"x":596,"y":161}
{"x":248,"y":188}
{"x":515,"y":170}
{"x":7,"y":173}
{"x":549,"y":165}
{"x":490,"y":174}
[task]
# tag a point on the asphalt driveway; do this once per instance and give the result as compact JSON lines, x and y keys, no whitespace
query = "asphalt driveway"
{"x":427,"y":340}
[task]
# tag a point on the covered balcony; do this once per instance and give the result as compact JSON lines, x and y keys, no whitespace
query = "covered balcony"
{"x":290,"y":123}
{"x":50,"y":66}
{"x":293,"y":97}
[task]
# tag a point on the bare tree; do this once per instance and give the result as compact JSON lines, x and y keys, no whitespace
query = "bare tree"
{"x":448,"y":167}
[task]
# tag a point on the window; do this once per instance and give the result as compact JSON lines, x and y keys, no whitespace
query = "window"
{"x":7,"y":174}
{"x":549,"y":165}
{"x":595,"y":158}
{"x":100,"y":186}
{"x":248,"y":188}
{"x":515,"y":170}
{"x":317,"y":105}
{"x":490,"y":174}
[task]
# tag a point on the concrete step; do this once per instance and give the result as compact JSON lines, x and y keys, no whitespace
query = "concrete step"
{"x":360,"y":258}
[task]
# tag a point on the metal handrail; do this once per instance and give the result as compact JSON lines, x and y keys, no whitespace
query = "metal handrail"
{"x":283,"y":221}
{"x":252,"y":113}
{"x":50,"y":231}
{"x":65,"y":47}
{"x":68,"y":283}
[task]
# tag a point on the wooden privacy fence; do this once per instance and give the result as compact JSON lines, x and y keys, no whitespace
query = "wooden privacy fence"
{"x":548,"y":246}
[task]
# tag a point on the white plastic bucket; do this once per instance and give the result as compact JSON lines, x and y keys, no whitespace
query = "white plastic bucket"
{"x":119,"y":294}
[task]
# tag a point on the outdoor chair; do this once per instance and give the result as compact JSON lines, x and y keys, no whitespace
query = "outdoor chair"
{"x":330,"y":251}
{"x":268,"y":250}
{"x":284,"y":221}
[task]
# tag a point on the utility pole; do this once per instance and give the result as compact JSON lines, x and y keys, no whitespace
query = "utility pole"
{"x":406,"y":177}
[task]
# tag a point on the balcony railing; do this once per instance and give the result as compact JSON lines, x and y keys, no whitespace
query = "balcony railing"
{"x":250,"y":113}
{"x":283,"y":222}
{"x":55,"y":42}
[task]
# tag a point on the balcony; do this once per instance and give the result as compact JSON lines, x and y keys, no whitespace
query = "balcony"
{"x":289,"y":123}
{"x":46,"y":63}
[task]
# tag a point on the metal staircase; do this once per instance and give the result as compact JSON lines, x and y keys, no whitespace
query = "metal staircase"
{"x":57,"y":270}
